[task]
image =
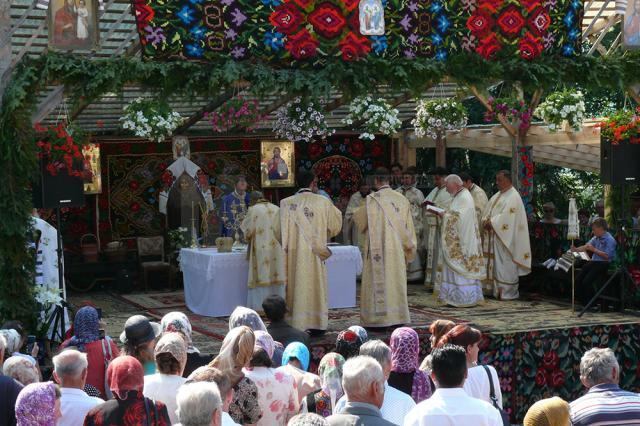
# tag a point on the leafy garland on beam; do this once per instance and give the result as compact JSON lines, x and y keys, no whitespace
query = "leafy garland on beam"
{"x":86,"y":80}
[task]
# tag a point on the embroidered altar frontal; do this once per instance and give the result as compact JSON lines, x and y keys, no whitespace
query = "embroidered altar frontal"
{"x":313,"y":32}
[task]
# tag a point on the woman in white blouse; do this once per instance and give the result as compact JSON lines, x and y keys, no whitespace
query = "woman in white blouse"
{"x":477,"y":384}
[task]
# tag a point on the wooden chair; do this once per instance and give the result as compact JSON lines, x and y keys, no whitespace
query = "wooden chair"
{"x":153,"y":247}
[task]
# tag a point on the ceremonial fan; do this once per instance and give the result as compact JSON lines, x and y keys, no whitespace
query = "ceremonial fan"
{"x":573,"y":232}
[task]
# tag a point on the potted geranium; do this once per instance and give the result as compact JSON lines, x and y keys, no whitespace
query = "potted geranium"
{"x":235,"y":113}
{"x":60,"y":147}
{"x":622,"y":126}
{"x":150,"y":119}
{"x":300,"y":120}
{"x":562,"y":108}
{"x":372,"y":116}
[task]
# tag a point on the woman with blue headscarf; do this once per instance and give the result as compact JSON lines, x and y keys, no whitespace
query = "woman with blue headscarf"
{"x":100,"y":351}
{"x":295,"y":361}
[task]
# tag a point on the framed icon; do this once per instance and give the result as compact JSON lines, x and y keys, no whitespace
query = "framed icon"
{"x":277,"y":163}
{"x":73,"y":24}
{"x":92,"y":174}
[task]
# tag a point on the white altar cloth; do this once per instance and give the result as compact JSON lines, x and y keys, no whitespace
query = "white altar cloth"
{"x":215,"y":283}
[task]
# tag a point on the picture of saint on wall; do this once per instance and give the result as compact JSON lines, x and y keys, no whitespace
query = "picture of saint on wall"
{"x":276,"y":164}
{"x":73,"y":24}
{"x":631,"y":25}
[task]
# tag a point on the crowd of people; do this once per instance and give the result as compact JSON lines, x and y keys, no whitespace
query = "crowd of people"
{"x":261,"y":376}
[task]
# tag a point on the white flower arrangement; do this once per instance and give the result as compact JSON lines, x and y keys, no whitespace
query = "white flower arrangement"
{"x":559,"y":107}
{"x":47,"y":297}
{"x":300,"y":120}
{"x":376,"y":116}
{"x":150,"y":119}
{"x":435,"y":117}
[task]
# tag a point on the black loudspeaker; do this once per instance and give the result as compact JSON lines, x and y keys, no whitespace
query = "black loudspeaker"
{"x":619,"y":163}
{"x":62,"y":190}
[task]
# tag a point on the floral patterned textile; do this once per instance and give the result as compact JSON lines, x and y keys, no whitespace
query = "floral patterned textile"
{"x":348,"y":344}
{"x":35,"y":405}
{"x":244,"y":408}
{"x":315,"y":31}
{"x":86,"y":327}
{"x":177,"y":322}
{"x":330,"y":372}
{"x":131,"y":411}
{"x":277,"y":395}
{"x":405,"y":358}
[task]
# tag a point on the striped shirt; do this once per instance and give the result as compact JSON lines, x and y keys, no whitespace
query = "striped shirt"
{"x":606,"y":404}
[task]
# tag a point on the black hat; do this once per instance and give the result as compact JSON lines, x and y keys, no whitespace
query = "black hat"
{"x":438,"y":171}
{"x":138,"y":329}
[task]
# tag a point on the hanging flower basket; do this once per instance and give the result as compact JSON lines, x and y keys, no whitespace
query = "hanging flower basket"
{"x":301,"y":120}
{"x":560,"y":108}
{"x":512,"y":109}
{"x":622,"y":127}
{"x":436,"y":116}
{"x":374,"y":116}
{"x":60,"y":146}
{"x":150,"y":119}
{"x":236,"y":113}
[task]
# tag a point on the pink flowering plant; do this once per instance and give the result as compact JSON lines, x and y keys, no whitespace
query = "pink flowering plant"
{"x":515,"y":111}
{"x":236,"y":113}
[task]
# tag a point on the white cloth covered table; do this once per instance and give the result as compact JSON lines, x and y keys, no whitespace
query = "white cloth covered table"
{"x":215,"y":283}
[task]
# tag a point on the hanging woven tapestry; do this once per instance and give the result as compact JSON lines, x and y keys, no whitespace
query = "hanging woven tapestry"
{"x":303,"y":32}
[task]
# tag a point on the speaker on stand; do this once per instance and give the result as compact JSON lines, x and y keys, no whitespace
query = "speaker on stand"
{"x":56,"y":192}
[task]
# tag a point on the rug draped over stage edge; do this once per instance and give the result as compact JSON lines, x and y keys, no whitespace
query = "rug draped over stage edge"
{"x":527,"y":341}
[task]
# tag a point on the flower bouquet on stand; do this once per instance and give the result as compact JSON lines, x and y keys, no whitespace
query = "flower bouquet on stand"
{"x":236,"y":113}
{"x":301,"y":120}
{"x":60,"y":146}
{"x":150,"y":119}
{"x":562,"y":107}
{"x":435,"y":117}
{"x":372,"y":116}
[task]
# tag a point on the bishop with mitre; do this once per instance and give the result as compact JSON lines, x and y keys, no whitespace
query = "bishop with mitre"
{"x":463,"y":266}
{"x":261,"y":229}
{"x":308,"y":220}
{"x":390,"y":245}
{"x":432,"y":233}
{"x":506,"y":240}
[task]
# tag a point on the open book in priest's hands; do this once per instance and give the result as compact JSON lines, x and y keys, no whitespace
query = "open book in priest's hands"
{"x":432,"y":208}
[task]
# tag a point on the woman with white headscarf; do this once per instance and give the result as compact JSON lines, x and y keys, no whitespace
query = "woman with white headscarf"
{"x":246,"y":316}
{"x":177,"y":322}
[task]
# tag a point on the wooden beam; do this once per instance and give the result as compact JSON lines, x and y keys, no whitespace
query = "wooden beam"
{"x":7,"y":37}
{"x":611,"y":20}
{"x":53,"y":99}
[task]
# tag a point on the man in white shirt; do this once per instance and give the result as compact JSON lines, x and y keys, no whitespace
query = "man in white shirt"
{"x":396,"y":404}
{"x":70,"y":371}
{"x":450,"y":405}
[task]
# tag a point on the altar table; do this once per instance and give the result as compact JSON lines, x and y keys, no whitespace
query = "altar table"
{"x":215,"y":283}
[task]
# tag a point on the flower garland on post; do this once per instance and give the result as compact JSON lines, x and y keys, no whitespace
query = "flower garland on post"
{"x":236,"y":113}
{"x":373,"y":116}
{"x":60,"y":146}
{"x":434,"y":118}
{"x":560,"y":107}
{"x":150,"y":119}
{"x":300,"y":120}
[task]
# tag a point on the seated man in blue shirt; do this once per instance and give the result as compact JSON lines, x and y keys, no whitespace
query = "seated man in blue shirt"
{"x":602,"y":248}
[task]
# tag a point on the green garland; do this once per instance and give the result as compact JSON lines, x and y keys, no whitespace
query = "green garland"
{"x":86,"y":80}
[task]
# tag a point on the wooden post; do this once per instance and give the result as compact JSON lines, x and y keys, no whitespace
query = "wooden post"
{"x":5,"y":47}
{"x":441,"y":151}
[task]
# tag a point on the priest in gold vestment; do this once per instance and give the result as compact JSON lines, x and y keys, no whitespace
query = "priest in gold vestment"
{"x":463,"y":265}
{"x":261,"y":228}
{"x":480,"y":199}
{"x":350,"y":233}
{"x":415,"y":197}
{"x":432,"y":233}
{"x":506,"y":240}
{"x":391,"y":244}
{"x":308,"y":221}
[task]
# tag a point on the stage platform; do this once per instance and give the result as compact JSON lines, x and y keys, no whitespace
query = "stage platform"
{"x":535,"y":343}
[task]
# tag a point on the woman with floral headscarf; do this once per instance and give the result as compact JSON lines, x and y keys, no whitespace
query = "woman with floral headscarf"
{"x":177,"y":322}
{"x":405,"y":361}
{"x":348,"y":344}
{"x":235,"y":354}
{"x":295,"y":361}
{"x":330,"y":372}
{"x":277,"y":391}
{"x":129,"y":407}
{"x":38,"y":404}
{"x":100,"y":351}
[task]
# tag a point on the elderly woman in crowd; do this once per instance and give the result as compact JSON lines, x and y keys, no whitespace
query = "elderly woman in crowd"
{"x":477,"y":383}
{"x":21,"y":369}
{"x":177,"y":322}
{"x":295,"y":361}
{"x":246,"y":316}
{"x":235,"y":354}
{"x":139,"y":339}
{"x":548,"y":412}
{"x":405,"y":361}
{"x":86,"y":338}
{"x":171,"y":358}
{"x":38,"y":405}
{"x":277,"y":392}
{"x":125,"y":377}
{"x":348,"y":343}
{"x":322,"y":401}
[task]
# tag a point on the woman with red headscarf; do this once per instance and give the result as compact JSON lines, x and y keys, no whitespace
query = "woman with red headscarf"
{"x":477,"y":384}
{"x":129,"y":407}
